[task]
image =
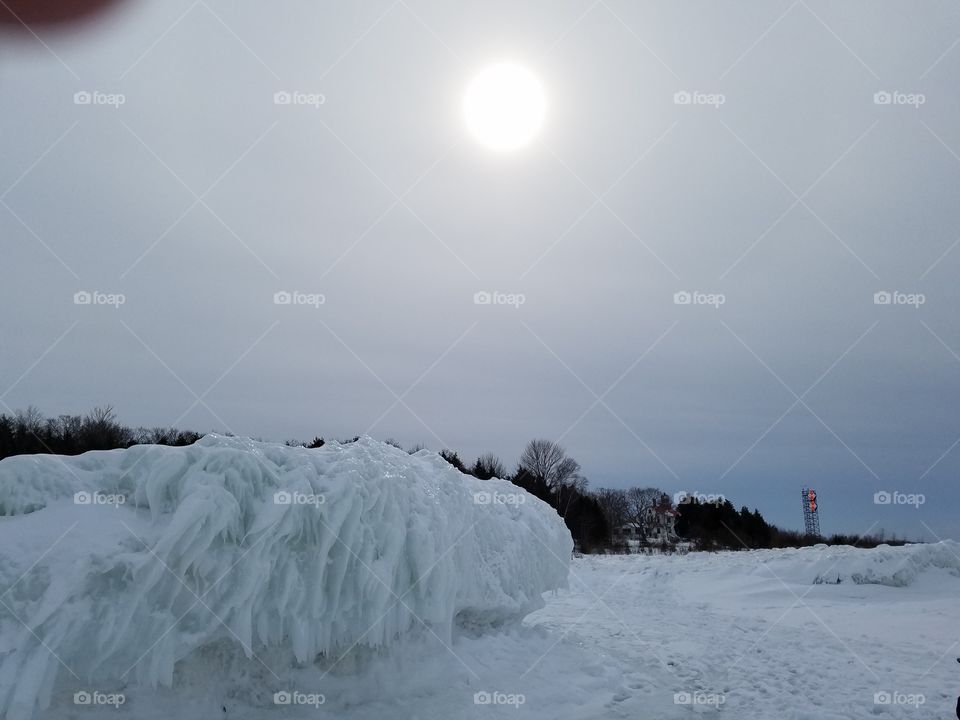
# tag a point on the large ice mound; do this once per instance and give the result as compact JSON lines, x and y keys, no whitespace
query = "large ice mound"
{"x":115,"y":565}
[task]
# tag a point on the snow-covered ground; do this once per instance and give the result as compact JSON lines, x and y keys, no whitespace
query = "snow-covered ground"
{"x":752,"y":635}
{"x":743,"y":635}
{"x":765,"y":634}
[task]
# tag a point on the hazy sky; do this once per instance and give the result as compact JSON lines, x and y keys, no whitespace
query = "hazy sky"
{"x":816,"y":163}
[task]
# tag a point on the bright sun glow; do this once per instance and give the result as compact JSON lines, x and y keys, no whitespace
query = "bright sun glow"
{"x":504,"y":106}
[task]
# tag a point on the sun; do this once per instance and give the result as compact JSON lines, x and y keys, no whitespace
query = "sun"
{"x":504,"y":106}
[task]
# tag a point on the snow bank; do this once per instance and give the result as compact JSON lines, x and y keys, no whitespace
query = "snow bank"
{"x":116,"y":565}
{"x":886,"y":565}
{"x":893,"y":566}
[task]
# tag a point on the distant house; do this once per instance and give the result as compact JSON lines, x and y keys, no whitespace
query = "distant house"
{"x":661,"y":523}
{"x":659,"y":526}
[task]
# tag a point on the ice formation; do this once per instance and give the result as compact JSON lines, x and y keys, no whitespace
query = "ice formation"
{"x":115,"y":565}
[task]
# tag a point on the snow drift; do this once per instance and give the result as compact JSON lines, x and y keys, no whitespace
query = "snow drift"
{"x":892,"y":566}
{"x":895,"y":566}
{"x":116,"y":565}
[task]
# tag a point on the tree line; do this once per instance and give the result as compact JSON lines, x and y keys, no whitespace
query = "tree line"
{"x":595,"y":518}
{"x":29,"y":432}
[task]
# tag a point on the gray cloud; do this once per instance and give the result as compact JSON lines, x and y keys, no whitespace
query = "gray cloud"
{"x":797,"y":199}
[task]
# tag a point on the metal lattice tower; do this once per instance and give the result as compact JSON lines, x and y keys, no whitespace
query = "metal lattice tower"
{"x":811,"y":513}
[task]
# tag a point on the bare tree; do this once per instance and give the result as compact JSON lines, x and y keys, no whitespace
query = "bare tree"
{"x":30,"y":420}
{"x":541,"y":458}
{"x":615,"y":506}
{"x":102,"y":416}
{"x":102,"y":431}
{"x":567,"y":473}
{"x":549,"y":462}
{"x":69,"y":426}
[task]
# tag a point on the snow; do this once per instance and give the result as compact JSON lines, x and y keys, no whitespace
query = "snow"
{"x":123,"y":568}
{"x":757,"y":630}
{"x":745,"y":635}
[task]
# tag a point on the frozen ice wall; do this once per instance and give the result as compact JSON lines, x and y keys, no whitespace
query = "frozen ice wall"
{"x":115,"y":565}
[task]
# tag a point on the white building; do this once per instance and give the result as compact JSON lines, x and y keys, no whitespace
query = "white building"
{"x":661,"y":523}
{"x":659,"y":526}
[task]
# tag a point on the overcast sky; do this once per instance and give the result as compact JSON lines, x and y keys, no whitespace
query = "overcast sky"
{"x":786,"y":188}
